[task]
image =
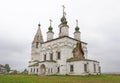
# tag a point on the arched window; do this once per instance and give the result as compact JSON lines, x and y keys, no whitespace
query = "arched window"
{"x":58,"y":69}
{"x":31,"y":69}
{"x":85,"y":67}
{"x":71,"y":68}
{"x":51,"y":70}
{"x":58,"y":55}
{"x":37,"y":70}
{"x":51,"y":56}
{"x":94,"y":67}
{"x":45,"y":57}
{"x":37,"y":44}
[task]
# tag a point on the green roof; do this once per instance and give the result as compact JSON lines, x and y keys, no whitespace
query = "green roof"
{"x":36,"y":64}
{"x":77,"y":59}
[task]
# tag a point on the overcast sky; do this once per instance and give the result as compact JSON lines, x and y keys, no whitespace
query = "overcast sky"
{"x":99,"y":22}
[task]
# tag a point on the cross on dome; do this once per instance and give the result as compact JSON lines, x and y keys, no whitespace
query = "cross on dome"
{"x":50,"y":22}
{"x":64,"y":10}
{"x":63,"y":19}
{"x":76,"y":22}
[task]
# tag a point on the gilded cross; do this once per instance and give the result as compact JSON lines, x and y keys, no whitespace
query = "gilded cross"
{"x":50,"y":22}
{"x":76,"y":22}
{"x":63,"y":10}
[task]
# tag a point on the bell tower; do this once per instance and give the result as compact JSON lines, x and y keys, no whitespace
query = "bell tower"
{"x":38,"y":38}
{"x":36,"y":44}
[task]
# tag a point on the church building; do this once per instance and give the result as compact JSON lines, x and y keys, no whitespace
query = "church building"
{"x":63,"y":55}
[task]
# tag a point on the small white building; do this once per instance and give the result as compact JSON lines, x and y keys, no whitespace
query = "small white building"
{"x":63,"y":55}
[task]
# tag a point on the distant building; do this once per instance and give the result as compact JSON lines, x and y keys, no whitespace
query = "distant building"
{"x":3,"y":70}
{"x":63,"y":55}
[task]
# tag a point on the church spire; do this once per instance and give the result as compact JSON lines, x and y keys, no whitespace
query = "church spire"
{"x":63,"y":19}
{"x":50,"y":33}
{"x":38,"y":36}
{"x":77,"y":32}
{"x":77,"y":28}
{"x":50,"y":27}
{"x":64,"y":28}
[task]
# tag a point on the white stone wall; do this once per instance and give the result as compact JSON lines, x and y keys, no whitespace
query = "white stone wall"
{"x":33,"y":70}
{"x":77,"y":35}
{"x":65,"y":46}
{"x":79,"y":68}
{"x":50,"y":68}
{"x":50,"y":36}
{"x":64,"y":31}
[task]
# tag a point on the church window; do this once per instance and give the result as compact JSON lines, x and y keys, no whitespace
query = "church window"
{"x":58,"y":69}
{"x":31,"y":69}
{"x":85,"y":67}
{"x":45,"y":57}
{"x":58,"y":55}
{"x":37,"y":70}
{"x":51,"y":70}
{"x":71,"y":68}
{"x":37,"y":44}
{"x":99,"y":69}
{"x":51,"y":56}
{"x":94,"y":68}
{"x":34,"y":69}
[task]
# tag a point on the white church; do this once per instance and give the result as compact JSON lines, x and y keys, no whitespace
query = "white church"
{"x":63,"y":55}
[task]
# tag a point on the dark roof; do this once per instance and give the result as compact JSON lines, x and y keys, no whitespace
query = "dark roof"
{"x":37,"y":64}
{"x":47,"y":61}
{"x":64,"y":37}
{"x":77,"y":59}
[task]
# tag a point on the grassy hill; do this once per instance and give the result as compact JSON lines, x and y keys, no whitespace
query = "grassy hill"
{"x":59,"y":79}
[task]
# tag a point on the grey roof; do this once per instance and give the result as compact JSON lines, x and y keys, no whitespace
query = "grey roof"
{"x":38,"y":36}
{"x":63,"y":37}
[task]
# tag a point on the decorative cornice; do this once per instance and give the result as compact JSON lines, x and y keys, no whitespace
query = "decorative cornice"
{"x":77,"y":59}
{"x":37,"y":64}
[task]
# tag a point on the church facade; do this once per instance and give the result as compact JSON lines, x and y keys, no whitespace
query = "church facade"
{"x":63,"y":55}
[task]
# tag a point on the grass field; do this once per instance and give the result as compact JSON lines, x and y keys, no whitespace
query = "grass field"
{"x":59,"y":79}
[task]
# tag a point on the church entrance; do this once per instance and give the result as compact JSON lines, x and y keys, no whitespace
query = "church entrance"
{"x":42,"y":69}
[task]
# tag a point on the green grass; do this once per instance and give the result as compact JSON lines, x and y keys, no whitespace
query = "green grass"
{"x":59,"y":79}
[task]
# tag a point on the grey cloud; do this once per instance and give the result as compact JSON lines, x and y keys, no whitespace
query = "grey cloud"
{"x":105,"y":46}
{"x":14,"y":54}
